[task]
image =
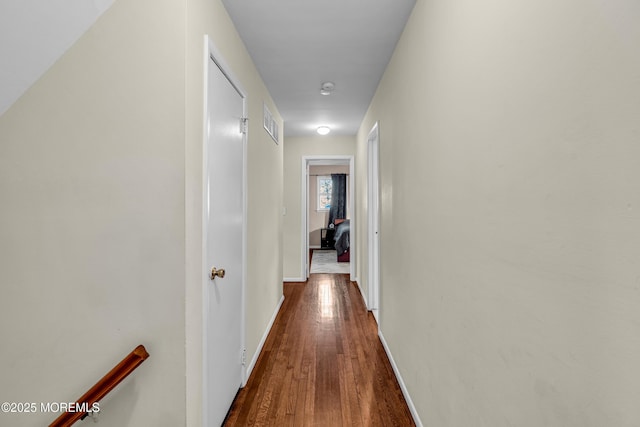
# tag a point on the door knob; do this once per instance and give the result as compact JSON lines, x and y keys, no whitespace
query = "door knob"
{"x":217,"y":272}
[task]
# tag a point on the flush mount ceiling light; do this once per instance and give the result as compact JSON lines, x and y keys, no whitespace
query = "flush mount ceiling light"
{"x":327,"y":88}
{"x":323,"y":130}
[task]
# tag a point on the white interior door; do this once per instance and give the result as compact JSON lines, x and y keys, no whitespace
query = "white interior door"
{"x":224,"y":219}
{"x":305,"y":227}
{"x":373,"y":184}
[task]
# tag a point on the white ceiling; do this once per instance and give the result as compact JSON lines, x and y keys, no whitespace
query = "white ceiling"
{"x":34,"y":34}
{"x":298,"y":44}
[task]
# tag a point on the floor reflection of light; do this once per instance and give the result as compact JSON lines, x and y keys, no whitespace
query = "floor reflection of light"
{"x":326,"y":299}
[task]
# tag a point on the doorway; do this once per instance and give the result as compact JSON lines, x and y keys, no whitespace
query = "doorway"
{"x":307,"y":206}
{"x":224,"y":226}
{"x":373,"y":212}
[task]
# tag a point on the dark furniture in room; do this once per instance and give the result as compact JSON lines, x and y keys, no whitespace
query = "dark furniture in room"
{"x":326,"y":238}
{"x":342,"y":240}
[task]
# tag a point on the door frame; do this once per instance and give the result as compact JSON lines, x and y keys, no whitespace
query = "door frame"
{"x":319,"y":160}
{"x":212,"y":58}
{"x":373,"y":217}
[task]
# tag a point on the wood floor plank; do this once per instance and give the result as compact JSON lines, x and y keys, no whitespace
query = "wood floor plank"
{"x":322,"y":364}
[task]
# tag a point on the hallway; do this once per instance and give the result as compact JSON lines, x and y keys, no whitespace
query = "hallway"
{"x":322,"y":364}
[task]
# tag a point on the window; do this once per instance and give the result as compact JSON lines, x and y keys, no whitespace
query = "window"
{"x":324,"y":193}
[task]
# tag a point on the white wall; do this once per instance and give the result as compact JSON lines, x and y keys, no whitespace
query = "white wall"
{"x":294,"y":149}
{"x":92,"y":222}
{"x":510,"y":197}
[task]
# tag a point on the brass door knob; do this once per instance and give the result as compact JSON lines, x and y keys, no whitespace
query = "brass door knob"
{"x":217,"y":272}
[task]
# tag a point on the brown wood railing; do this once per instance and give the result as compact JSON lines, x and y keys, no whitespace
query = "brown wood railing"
{"x":104,"y":386}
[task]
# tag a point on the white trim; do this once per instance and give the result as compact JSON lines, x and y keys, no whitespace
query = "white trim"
{"x":212,"y":54}
{"x":294,"y":279}
{"x":353,"y":229}
{"x":304,"y":222}
{"x":373,"y":221}
{"x":304,"y":202}
{"x":205,"y":227}
{"x":403,"y":387}
{"x":245,"y":221}
{"x":254,"y":359}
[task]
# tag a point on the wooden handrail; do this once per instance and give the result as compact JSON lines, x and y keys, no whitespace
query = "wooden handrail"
{"x":104,"y":386}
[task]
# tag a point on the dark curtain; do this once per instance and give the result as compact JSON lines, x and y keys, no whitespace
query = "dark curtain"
{"x":338,"y":197}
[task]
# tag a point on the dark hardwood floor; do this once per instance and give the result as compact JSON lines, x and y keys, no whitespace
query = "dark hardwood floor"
{"x":322,"y":364}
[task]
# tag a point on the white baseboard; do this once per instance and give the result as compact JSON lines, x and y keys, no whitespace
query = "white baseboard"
{"x":262,"y":341}
{"x":405,"y":392}
{"x":315,"y":247}
{"x":293,"y":279}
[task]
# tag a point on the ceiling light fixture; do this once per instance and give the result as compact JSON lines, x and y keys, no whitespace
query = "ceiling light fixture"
{"x":327,"y":88}
{"x":323,"y":130}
